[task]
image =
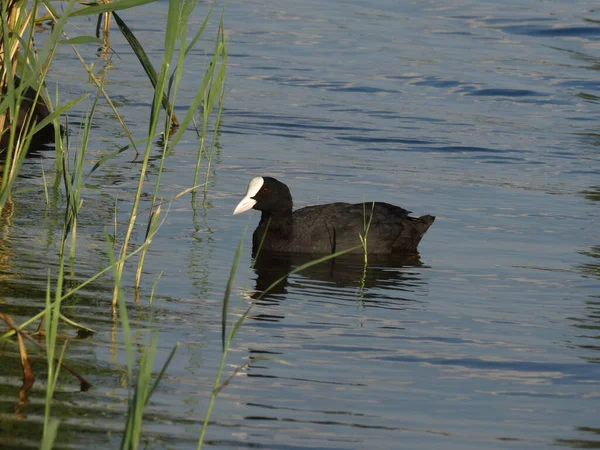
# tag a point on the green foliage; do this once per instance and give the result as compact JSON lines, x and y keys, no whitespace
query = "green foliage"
{"x":32,"y":65}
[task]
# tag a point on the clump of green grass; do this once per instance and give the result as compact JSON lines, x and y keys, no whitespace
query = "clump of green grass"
{"x":209,"y":92}
{"x":32,"y":65}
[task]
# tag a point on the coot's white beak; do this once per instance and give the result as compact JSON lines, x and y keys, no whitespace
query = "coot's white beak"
{"x":243,"y":206}
{"x":248,"y":202}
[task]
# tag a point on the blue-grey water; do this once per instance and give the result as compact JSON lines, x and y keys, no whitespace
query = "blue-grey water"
{"x":485,"y":114}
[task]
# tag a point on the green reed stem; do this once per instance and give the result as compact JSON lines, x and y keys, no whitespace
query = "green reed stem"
{"x":225,"y":342}
{"x":228,"y":338}
{"x":364,"y":241}
{"x":217,"y":89}
{"x":169,"y":45}
{"x":168,"y":125}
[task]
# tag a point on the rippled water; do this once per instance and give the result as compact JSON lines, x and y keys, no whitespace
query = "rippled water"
{"x":484,"y":114}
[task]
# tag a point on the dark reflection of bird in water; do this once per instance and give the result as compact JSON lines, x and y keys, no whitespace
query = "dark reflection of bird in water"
{"x":345,"y":277}
{"x":589,"y":320}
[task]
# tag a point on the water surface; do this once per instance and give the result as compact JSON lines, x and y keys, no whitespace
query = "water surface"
{"x":484,"y":114}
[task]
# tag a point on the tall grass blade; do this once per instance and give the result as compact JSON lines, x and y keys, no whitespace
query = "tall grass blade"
{"x":100,"y":8}
{"x":111,"y":155}
{"x":139,"y":51}
{"x":227,"y":293}
{"x":150,"y":231}
{"x":198,"y":98}
{"x":162,"y":372}
{"x":81,"y":40}
{"x":122,"y":311}
{"x":171,"y":31}
{"x":50,"y":435}
{"x":193,"y":42}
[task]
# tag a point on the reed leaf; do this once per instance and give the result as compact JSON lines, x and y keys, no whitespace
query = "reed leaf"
{"x":198,"y":98}
{"x":94,"y":8}
{"x":142,"y":57}
{"x":81,"y":40}
{"x":227,"y":293}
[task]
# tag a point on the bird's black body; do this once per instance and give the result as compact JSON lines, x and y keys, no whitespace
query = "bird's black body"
{"x":330,"y":228}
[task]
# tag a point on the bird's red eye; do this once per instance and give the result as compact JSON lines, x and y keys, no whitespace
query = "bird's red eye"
{"x":265,"y":189}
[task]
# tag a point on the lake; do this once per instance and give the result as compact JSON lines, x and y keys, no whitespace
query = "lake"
{"x":484,"y":114}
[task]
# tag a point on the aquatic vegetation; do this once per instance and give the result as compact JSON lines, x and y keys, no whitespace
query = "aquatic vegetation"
{"x":25,"y":96}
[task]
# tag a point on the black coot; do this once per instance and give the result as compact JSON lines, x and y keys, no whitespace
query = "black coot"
{"x":330,"y":228}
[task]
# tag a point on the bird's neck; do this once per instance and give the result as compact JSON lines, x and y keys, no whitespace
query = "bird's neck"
{"x":279,"y":223}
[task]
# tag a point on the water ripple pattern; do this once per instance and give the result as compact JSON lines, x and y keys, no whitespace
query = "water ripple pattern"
{"x":485,"y":114}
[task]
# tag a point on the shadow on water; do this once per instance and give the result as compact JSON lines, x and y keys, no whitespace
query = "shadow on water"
{"x":591,"y":268}
{"x":344,"y":277}
{"x":583,"y":443}
{"x":592,"y":194}
{"x":589,"y":321}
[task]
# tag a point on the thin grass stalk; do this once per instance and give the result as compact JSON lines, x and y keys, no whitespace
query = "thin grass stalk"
{"x":99,"y":82}
{"x":45,"y":56}
{"x":133,"y":427}
{"x":364,"y":243}
{"x":128,"y":343}
{"x":150,"y":231}
{"x":75,"y":195}
{"x":224,"y":78}
{"x":174,"y":80}
{"x":176,"y":77}
{"x":69,"y":293}
{"x":146,"y":64}
{"x":50,"y":436}
{"x":11,"y":103}
{"x":111,"y":155}
{"x":170,"y":37}
{"x":143,"y":386}
{"x":50,"y":346}
{"x":30,"y":68}
{"x":208,"y":100}
{"x":115,"y":220}
{"x":366,"y":227}
{"x":151,"y":300}
{"x":217,"y":89}
{"x":14,"y":24}
{"x":45,"y":183}
{"x":198,"y":98}
{"x":122,"y":313}
{"x":93,"y":9}
{"x":75,"y":324}
{"x":217,"y":387}
{"x":298,"y":269}
{"x":227,"y":292}
{"x":52,"y":315}
{"x":59,"y":144}
{"x":225,"y":342}
{"x":9,"y":14}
